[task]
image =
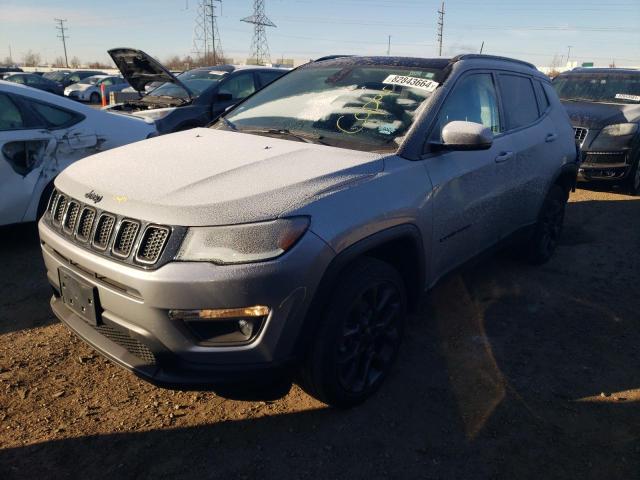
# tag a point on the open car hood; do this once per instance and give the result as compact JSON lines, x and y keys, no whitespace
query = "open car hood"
{"x":140,"y":69}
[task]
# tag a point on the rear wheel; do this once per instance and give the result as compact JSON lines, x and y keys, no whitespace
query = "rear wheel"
{"x":94,"y":98}
{"x":360,"y":334}
{"x":548,"y":229}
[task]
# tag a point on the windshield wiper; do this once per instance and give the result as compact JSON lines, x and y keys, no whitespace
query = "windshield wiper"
{"x":302,"y":136}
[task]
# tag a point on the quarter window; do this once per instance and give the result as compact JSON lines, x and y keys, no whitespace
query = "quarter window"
{"x":10,"y":116}
{"x":543,"y":100}
{"x":473,"y":99}
{"x":519,"y":101}
{"x":56,"y":117}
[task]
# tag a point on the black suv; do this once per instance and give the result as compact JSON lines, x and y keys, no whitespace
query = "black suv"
{"x":604,"y":106}
{"x":191,"y":99}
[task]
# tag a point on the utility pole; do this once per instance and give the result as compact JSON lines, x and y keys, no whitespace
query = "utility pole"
{"x":440,"y":28}
{"x":389,"y":46}
{"x":481,"y":47}
{"x":206,"y":37}
{"x":569,"y":53}
{"x":259,"y":45}
{"x":64,"y":37}
{"x":10,"y":55}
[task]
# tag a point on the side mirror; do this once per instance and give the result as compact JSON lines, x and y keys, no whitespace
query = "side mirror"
{"x":224,"y":97}
{"x":458,"y":135}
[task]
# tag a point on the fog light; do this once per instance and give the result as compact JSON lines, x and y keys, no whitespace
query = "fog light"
{"x":227,"y":326}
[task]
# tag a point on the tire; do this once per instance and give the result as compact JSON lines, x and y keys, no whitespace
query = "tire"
{"x":94,"y":98}
{"x":633,"y":183}
{"x":356,"y":345}
{"x":548,"y":228}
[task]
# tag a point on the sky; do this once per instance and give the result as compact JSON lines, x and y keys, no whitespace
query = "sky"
{"x":534,"y":30}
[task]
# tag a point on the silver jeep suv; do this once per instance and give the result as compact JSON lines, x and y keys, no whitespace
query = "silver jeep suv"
{"x":290,"y":238}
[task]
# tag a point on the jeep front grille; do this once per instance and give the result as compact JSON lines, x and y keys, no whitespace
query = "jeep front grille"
{"x":580,"y":134}
{"x":85,"y":223}
{"x":103,"y":232}
{"x":152,"y":243}
{"x":128,"y":240}
{"x":125,"y":238}
{"x":60,"y":207}
{"x":70,"y":218}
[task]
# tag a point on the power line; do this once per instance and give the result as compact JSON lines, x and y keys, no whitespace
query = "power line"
{"x":60,"y":27}
{"x":440,"y":28}
{"x":259,"y":45}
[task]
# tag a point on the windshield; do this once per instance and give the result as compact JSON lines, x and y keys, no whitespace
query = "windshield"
{"x":599,"y":87}
{"x":361,"y":107}
{"x":196,"y":80}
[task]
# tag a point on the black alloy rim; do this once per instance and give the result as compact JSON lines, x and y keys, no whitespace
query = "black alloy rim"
{"x":370,"y":337}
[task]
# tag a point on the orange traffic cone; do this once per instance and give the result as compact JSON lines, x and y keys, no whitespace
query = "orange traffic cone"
{"x":102,"y":94}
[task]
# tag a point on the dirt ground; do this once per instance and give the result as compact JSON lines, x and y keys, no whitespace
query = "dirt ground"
{"x":508,"y":371}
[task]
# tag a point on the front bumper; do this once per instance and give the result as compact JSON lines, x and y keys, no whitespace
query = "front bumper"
{"x":604,"y":166}
{"x":136,"y":332}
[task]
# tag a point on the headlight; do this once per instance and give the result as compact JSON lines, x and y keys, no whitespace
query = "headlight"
{"x":619,"y":130}
{"x":156,"y":114}
{"x":253,"y":242}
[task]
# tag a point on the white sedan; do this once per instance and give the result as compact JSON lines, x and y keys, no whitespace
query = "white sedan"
{"x":40,"y":135}
{"x":89,"y":89}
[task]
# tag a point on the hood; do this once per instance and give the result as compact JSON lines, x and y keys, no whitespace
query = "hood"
{"x":213,"y":177}
{"x":599,"y":115}
{"x":139,"y":69}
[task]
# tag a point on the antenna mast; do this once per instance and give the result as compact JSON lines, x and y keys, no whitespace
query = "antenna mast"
{"x":440,"y":28}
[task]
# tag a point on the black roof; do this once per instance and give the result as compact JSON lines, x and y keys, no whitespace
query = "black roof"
{"x":601,"y":70}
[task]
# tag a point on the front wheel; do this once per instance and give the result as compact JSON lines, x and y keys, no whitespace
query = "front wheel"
{"x":360,"y":334}
{"x":548,"y":228}
{"x":634,"y":178}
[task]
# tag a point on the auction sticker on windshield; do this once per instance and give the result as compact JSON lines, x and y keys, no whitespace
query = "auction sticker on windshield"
{"x":624,"y":96}
{"x":415,"y":82}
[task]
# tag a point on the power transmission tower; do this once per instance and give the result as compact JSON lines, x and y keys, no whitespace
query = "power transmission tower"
{"x":440,"y":28}
{"x":206,"y":37}
{"x":60,"y":27}
{"x":259,"y":45}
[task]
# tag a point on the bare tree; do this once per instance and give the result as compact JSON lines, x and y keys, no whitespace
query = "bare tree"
{"x":75,"y":62}
{"x":7,"y":62}
{"x":98,"y":64}
{"x":31,"y":59}
{"x":59,"y":62}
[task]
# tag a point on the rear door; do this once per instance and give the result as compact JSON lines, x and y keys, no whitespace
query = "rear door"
{"x":25,"y":150}
{"x":533,"y":135}
{"x":467,"y":189}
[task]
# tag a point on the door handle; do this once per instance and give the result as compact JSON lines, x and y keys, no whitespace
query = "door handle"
{"x":551,"y":138}
{"x":504,"y":156}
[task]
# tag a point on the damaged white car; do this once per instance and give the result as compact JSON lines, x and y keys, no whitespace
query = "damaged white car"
{"x":40,"y":135}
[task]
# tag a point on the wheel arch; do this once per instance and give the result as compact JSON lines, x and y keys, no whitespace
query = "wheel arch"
{"x":401,"y":246}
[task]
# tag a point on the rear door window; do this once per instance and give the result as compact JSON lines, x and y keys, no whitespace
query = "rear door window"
{"x":518,"y":100}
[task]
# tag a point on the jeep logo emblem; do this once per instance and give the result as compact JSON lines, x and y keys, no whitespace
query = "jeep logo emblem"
{"x":93,"y":196}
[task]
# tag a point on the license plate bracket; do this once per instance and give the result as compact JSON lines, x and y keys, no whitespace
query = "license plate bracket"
{"x":79,"y":296}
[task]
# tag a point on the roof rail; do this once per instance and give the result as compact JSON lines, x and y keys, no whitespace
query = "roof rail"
{"x":331,"y":57}
{"x":469,"y":56}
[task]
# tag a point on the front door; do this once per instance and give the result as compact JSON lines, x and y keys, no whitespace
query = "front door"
{"x":467,"y":189}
